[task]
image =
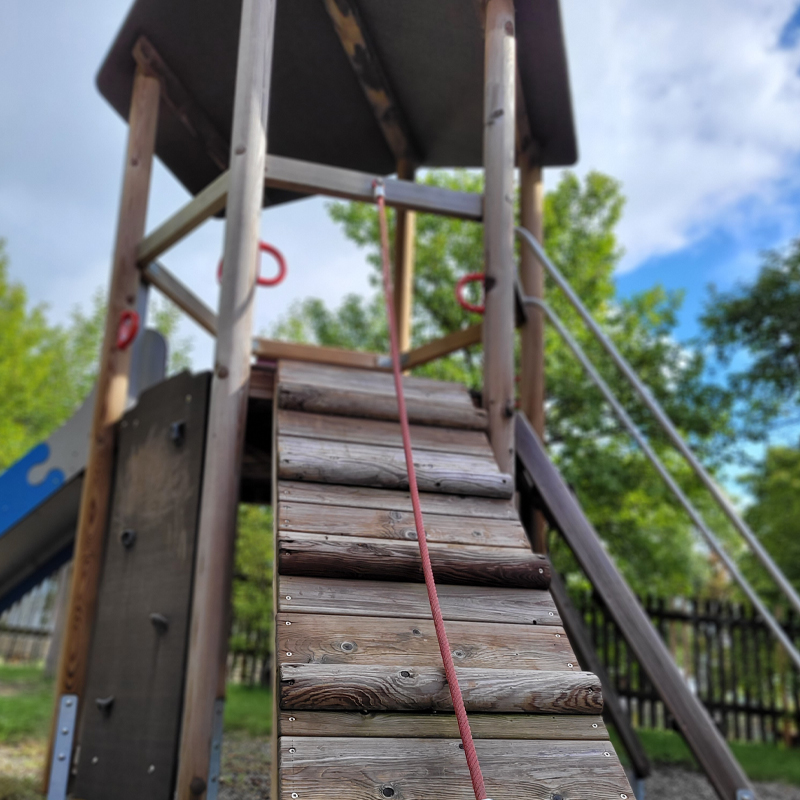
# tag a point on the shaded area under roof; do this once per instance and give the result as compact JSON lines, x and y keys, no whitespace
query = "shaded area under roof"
{"x":431,"y":52}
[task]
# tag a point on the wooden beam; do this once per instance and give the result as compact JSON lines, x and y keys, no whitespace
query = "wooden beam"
{"x":205,"y":673}
{"x":532,"y":357}
{"x":204,"y":205}
{"x":176,"y":97}
{"x":438,"y":348}
{"x":304,"y":176}
{"x":498,"y":162}
{"x":111,"y":391}
{"x":697,"y":727}
{"x":367,"y":66}
{"x":405,"y":232}
{"x":181,"y":295}
{"x":274,"y":350}
{"x":308,"y":178}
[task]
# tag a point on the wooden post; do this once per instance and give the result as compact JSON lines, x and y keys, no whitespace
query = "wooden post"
{"x":498,"y":229}
{"x":532,"y":372}
{"x":205,"y":675}
{"x":405,"y":232}
{"x":112,"y":392}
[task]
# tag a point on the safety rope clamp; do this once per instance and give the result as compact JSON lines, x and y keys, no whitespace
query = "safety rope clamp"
{"x":378,"y":188}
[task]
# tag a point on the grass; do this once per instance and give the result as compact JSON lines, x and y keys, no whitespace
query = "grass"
{"x":761,"y":762}
{"x":248,"y":709}
{"x":26,"y":703}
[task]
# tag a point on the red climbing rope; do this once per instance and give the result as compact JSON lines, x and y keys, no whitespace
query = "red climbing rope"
{"x":438,"y":621}
{"x":471,"y":277}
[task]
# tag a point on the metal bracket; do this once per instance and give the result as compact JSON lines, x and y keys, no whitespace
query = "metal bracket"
{"x":215,"y":762}
{"x":62,"y":752}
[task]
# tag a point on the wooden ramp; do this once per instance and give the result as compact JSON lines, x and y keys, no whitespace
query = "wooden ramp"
{"x":364,"y":708}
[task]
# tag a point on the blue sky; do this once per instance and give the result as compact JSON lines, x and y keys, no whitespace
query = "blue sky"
{"x":695,"y":107}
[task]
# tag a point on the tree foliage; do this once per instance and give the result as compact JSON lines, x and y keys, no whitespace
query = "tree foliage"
{"x":649,"y":536}
{"x":761,"y":321}
{"x":47,"y":370}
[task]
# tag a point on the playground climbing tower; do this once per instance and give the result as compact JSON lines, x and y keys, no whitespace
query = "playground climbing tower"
{"x":255,"y":104}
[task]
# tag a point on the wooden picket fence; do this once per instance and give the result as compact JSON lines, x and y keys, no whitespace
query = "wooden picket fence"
{"x":727,"y":656}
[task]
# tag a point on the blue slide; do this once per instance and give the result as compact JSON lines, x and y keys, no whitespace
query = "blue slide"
{"x":40,"y":494}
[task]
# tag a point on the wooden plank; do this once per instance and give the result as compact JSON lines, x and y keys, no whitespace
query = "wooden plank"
{"x":385,"y":599}
{"x":111,"y":393}
{"x":613,"y":710}
{"x":303,"y":176}
{"x":157,"y":489}
{"x":380,"y":524}
{"x":200,"y":208}
{"x":181,"y":295}
{"x":346,"y":402}
{"x":358,"y":497}
{"x":406,"y":769}
{"x":367,"y":66}
{"x":405,"y":231}
{"x":697,"y":727}
{"x":323,"y":639}
{"x":227,"y":418}
{"x":274,"y":350}
{"x":578,"y":727}
{"x":381,"y":432}
{"x":406,"y":687}
{"x":262,"y":383}
{"x":381,"y":559}
{"x":443,"y":346}
{"x":385,"y":467}
{"x":361,"y":380}
{"x":498,"y":161}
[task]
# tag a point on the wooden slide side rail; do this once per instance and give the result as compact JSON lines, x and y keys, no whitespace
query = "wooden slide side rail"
{"x":697,"y":727}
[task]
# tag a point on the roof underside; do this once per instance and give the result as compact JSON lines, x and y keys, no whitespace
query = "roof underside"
{"x":431,"y":52}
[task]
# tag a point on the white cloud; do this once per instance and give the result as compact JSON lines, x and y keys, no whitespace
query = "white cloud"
{"x":692,"y":105}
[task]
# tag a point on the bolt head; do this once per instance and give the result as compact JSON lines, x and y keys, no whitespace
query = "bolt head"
{"x":295,"y":795}
{"x":288,"y":597}
{"x":292,"y":719}
{"x":288,"y":652}
{"x":292,"y":750}
{"x":62,"y":756}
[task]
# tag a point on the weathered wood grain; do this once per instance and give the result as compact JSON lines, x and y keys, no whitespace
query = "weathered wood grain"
{"x":353,"y":403}
{"x":322,"y":639}
{"x":442,"y":726}
{"x":350,"y":687}
{"x":359,"y":497}
{"x":381,"y":432}
{"x":412,"y":769}
{"x":383,"y":559}
{"x":366,"y":380}
{"x":385,"y":467}
{"x":382,"y":524}
{"x":385,"y":599}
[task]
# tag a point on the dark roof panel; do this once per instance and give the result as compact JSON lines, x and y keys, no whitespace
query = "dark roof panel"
{"x":431,"y":52}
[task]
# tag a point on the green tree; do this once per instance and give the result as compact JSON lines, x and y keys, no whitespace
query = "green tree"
{"x":252,"y":583}
{"x":775,"y":513}
{"x":649,"y":536}
{"x":761,"y":321}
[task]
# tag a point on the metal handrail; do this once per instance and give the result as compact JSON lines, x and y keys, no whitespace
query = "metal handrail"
{"x":672,"y":485}
{"x":664,"y":421}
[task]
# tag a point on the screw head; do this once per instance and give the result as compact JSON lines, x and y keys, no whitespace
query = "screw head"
{"x":558,"y":636}
{"x":288,"y":623}
{"x":607,"y":754}
{"x":292,"y":750}
{"x":541,"y":571}
{"x":594,"y":724}
{"x":570,"y":665}
{"x":65,"y":731}
{"x":61,"y":756}
{"x":292,"y":719}
{"x":69,"y":703}
{"x":295,"y":795}
{"x":623,"y":797}
{"x":288,"y":652}
{"x":288,"y":597}
{"x":551,"y":613}
{"x":95,"y":760}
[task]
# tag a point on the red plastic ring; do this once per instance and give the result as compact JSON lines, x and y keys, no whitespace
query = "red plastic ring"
{"x":277,"y":255}
{"x":128,"y":328}
{"x":471,"y":277}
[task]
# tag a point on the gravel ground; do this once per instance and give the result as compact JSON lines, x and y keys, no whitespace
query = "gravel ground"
{"x":676,"y":783}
